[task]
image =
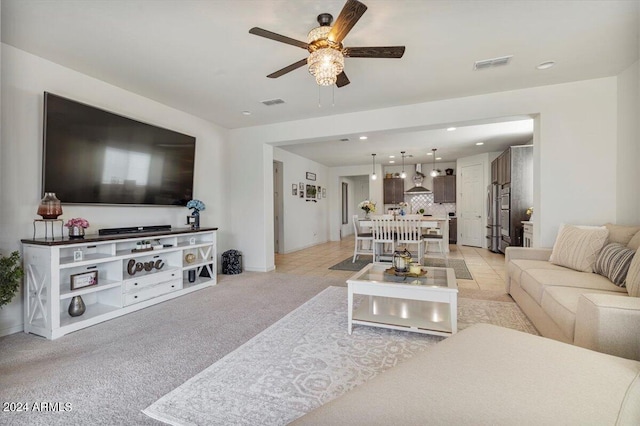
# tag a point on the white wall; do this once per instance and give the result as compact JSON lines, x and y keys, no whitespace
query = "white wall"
{"x":577,"y":121}
{"x":24,"y":79}
{"x":628,"y":157}
{"x":335,"y":197}
{"x":306,"y":223}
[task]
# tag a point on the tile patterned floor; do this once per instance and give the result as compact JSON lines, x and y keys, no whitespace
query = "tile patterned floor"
{"x":487,"y":268}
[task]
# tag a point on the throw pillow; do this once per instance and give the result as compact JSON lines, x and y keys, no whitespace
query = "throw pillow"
{"x":613,"y":262}
{"x":633,"y":276}
{"x":578,"y":247}
{"x":620,"y":233}
{"x":635,"y":242}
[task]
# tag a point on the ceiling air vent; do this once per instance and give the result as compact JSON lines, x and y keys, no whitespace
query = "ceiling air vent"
{"x":494,"y":62}
{"x":271,"y":102}
{"x":344,"y":140}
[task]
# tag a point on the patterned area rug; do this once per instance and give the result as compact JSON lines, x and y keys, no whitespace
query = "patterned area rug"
{"x":305,"y":360}
{"x":459,"y":266}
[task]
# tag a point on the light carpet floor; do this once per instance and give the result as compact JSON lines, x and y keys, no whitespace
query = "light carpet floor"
{"x":305,"y":360}
{"x":110,"y":372}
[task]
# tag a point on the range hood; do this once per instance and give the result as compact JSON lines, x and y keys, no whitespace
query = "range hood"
{"x":417,"y":180}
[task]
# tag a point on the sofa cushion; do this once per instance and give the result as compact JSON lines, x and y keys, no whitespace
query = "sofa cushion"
{"x":517,"y":266}
{"x":534,"y":281}
{"x":561,"y":304}
{"x":634,"y":243}
{"x":621,"y":233}
{"x":633,"y":276}
{"x":613,"y":262}
{"x":578,"y":247}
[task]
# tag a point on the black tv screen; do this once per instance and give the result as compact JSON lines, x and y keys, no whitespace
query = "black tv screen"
{"x":92,"y":156}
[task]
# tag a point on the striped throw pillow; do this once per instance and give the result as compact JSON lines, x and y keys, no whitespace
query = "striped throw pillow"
{"x":613,"y":262}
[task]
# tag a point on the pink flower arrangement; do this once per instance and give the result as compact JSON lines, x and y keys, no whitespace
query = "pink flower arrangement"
{"x":77,"y":222}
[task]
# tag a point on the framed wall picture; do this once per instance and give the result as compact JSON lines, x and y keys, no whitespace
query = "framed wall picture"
{"x":324,"y":192}
{"x":301,"y":193}
{"x":311,"y":191}
{"x":311,"y":176}
{"x":84,"y":279}
{"x":294,"y":190}
{"x":319,"y":193}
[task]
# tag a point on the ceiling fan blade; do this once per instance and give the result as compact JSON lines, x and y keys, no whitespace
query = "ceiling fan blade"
{"x":350,"y":14}
{"x":287,"y":69}
{"x":278,"y":37}
{"x":343,"y":80}
{"x":374,"y":52}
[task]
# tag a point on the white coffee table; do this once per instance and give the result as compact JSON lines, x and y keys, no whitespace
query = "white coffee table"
{"x":425,"y":305}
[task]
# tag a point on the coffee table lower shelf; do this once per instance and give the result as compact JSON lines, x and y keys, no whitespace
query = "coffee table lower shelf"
{"x":403,"y":314}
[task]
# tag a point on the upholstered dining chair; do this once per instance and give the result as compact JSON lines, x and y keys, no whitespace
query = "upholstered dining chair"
{"x":360,"y":239}
{"x":383,"y":235}
{"x":432,"y":235}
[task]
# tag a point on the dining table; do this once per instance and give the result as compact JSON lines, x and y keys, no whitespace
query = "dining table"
{"x":443,"y":225}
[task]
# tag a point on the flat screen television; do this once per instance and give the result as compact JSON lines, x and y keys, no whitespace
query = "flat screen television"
{"x":92,"y":156}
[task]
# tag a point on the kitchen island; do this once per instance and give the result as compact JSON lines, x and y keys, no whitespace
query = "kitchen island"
{"x":443,"y":225}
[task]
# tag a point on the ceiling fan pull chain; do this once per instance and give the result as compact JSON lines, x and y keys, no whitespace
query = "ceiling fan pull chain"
{"x":319,"y":101}
{"x":333,"y":95}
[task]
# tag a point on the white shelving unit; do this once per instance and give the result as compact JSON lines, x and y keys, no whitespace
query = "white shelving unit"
{"x":49,"y":265}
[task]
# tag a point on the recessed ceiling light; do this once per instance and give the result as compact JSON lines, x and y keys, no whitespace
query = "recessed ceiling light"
{"x":391,"y":161}
{"x":429,"y":153}
{"x":438,"y":158}
{"x":546,"y":65}
{"x":479,"y":143}
{"x":363,"y":138}
{"x":246,"y":112}
{"x":392,"y":156}
{"x":450,"y":129}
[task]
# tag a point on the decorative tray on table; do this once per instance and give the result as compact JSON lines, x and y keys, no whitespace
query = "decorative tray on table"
{"x":392,"y":271}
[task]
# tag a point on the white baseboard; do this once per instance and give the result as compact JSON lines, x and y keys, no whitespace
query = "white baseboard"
{"x":304,"y":247}
{"x":11,"y":330}
{"x":256,"y":269}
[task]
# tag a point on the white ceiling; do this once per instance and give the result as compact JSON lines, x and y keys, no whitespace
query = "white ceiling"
{"x":197,"y":56}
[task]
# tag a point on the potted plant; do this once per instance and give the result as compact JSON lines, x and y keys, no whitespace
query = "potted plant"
{"x":10,"y":275}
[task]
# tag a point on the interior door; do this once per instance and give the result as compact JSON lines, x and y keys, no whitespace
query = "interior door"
{"x":471,"y":197}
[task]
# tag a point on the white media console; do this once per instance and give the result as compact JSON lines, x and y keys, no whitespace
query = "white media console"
{"x":158,"y":275}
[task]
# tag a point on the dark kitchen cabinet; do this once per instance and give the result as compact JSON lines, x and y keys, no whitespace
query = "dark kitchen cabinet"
{"x":444,"y":189}
{"x":453,"y":230}
{"x":393,"y":190}
{"x":501,"y":166}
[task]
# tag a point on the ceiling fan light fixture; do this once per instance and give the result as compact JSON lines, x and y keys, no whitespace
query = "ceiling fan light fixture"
{"x":325,"y":62}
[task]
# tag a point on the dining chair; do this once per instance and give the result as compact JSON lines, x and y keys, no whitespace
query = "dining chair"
{"x":409,"y":232}
{"x":361,"y":237}
{"x":432,"y":235}
{"x":383,"y":234}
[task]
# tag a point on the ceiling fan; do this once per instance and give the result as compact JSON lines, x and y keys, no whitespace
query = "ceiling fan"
{"x":324,"y":43}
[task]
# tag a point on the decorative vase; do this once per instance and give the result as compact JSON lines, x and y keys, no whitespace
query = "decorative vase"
{"x":50,"y":207}
{"x":366,"y":214}
{"x":192,"y":275}
{"x":196,"y":219}
{"x":76,"y":232}
{"x":77,"y":306}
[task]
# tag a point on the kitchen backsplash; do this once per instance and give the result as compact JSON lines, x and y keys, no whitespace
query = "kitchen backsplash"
{"x":425,"y":201}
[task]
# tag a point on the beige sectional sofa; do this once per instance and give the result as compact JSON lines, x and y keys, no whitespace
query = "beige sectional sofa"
{"x":582,"y":308}
{"x":489,"y":375}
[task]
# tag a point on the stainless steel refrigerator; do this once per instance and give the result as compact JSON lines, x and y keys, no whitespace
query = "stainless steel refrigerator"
{"x":493,"y":217}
